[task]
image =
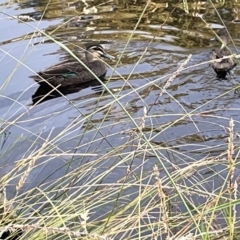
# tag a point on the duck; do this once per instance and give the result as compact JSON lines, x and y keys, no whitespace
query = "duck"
{"x":222,"y":67}
{"x":71,"y":72}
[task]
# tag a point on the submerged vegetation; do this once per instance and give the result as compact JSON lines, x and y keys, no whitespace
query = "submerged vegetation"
{"x":112,"y":164}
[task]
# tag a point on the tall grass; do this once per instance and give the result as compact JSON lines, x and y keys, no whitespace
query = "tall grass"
{"x":152,"y":197}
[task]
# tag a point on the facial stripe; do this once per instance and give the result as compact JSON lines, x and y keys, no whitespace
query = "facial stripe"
{"x":96,"y":48}
{"x":100,"y":52}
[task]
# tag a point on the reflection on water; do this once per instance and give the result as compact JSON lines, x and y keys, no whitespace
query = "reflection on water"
{"x":46,"y":92}
{"x":186,"y":123}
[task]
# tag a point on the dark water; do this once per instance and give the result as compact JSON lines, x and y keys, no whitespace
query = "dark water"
{"x":164,"y":39}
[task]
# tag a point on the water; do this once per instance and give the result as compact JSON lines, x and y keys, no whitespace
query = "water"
{"x":164,"y":39}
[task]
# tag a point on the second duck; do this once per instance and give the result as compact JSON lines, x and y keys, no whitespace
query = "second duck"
{"x":222,"y":67}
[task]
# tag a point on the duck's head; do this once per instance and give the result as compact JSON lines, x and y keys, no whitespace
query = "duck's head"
{"x":223,"y":34}
{"x":94,"y":52}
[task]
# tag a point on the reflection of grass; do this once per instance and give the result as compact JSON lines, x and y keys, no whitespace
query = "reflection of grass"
{"x":159,"y":191}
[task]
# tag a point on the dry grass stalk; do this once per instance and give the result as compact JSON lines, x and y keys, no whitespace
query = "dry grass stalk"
{"x":139,"y":136}
{"x":31,"y":164}
{"x":164,"y":200}
{"x":142,"y":123}
{"x":174,"y":75}
{"x":84,"y":217}
{"x":22,"y":17}
{"x":3,"y":201}
{"x":230,"y":151}
{"x":63,"y":230}
{"x":170,"y":80}
{"x":234,"y":211}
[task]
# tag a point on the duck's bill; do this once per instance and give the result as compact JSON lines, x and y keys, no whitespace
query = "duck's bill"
{"x":106,"y":55}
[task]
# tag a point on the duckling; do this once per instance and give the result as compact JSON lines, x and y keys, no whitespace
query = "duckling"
{"x":71,"y":72}
{"x":222,"y":67}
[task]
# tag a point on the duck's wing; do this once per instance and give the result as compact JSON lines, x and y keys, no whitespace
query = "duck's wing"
{"x":70,"y":72}
{"x":56,"y":70}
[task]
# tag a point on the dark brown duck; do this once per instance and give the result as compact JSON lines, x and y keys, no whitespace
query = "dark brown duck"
{"x":71,"y":72}
{"x":222,"y":67}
